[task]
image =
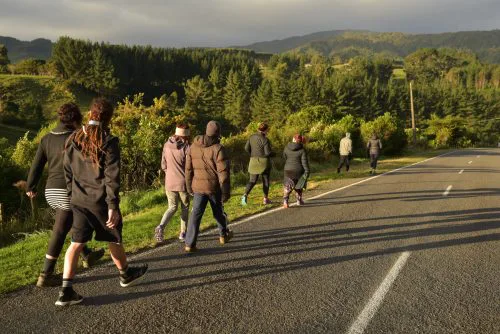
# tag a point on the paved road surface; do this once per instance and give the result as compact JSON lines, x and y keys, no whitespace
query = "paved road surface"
{"x":413,"y":251}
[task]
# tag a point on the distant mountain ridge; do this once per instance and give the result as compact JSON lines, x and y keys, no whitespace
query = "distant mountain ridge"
{"x":39,"y":48}
{"x":486,"y":44}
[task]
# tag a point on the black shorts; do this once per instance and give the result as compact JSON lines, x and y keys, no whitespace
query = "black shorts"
{"x":87,"y":221}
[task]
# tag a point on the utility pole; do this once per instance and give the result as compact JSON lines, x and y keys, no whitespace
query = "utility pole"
{"x":414,"y":129}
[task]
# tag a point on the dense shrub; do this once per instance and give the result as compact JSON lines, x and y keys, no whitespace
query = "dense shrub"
{"x":389,"y":130}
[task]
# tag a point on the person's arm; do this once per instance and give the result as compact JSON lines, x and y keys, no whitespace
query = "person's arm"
{"x":305,"y":163}
{"x":248,"y":147}
{"x":112,"y":174}
{"x":268,"y":152}
{"x":36,"y":170}
{"x":223,"y":172}
{"x":188,"y":171}
{"x":380,"y":144}
{"x":349,"y":146}
{"x":68,"y":171}
{"x":164,"y":159}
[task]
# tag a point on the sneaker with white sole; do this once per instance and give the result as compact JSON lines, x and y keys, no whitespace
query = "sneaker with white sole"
{"x":133,"y":276}
{"x":182,"y":236}
{"x":159,"y":238}
{"x":67,"y":297}
{"x":244,"y":200}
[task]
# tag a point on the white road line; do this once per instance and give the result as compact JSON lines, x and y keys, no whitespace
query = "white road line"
{"x":447,"y":191}
{"x":470,"y":162}
{"x":461,"y":171}
{"x":359,"y":326}
{"x":262,"y":214}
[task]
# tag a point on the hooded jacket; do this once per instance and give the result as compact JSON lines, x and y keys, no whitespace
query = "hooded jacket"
{"x":173,"y":163}
{"x":51,"y":151}
{"x":345,"y":145}
{"x":91,"y":186}
{"x":207,"y":167}
{"x":296,"y":161}
{"x":259,"y":148}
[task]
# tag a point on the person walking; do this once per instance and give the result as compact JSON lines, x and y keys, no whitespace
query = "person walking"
{"x":173,"y":163}
{"x":259,"y":148}
{"x":296,"y":170}
{"x":208,"y":179}
{"x":374,"y":146}
{"x":92,"y":172}
{"x":345,"y":151}
{"x":50,"y":151}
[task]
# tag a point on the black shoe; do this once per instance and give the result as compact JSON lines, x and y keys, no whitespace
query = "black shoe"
{"x":68,"y":297}
{"x":48,"y":280}
{"x":338,"y":170}
{"x":91,"y":259}
{"x":133,"y":276}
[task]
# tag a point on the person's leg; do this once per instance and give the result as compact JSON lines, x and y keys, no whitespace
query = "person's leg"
{"x":184,"y":199}
{"x":251,"y":183}
{"x":199,"y":204}
{"x":375,"y":160}
{"x":173,"y":203}
{"x":341,"y":163}
{"x":300,"y":200}
{"x":62,"y":226}
{"x":220,"y":217}
{"x":287,"y":189}
{"x":118,"y":255}
{"x":347,"y":163}
{"x":372,"y":160}
{"x":265,"y":186}
{"x":67,"y":295}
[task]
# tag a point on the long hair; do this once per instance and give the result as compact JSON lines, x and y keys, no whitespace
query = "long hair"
{"x":90,"y":138}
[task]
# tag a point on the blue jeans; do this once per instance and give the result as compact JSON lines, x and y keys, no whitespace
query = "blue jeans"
{"x":200,"y":202}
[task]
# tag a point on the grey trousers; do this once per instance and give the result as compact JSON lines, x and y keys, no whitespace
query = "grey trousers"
{"x":174,"y":197}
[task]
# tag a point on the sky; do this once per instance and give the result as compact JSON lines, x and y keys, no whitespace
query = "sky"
{"x":185,"y":23}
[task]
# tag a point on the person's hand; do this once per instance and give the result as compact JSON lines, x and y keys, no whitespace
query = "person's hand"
{"x":225,"y":198}
{"x":114,"y":218}
{"x":31,"y":194}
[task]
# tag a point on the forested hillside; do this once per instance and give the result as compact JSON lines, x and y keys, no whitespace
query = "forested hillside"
{"x":38,"y":48}
{"x":344,"y":45}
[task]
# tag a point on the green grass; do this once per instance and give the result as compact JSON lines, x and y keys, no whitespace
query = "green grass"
{"x":20,"y":262}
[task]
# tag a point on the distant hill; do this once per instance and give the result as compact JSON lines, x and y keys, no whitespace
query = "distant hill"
{"x":38,"y":48}
{"x":486,"y":44}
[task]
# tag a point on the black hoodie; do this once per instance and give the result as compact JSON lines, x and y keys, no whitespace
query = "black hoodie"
{"x":296,"y":161}
{"x":91,"y":186}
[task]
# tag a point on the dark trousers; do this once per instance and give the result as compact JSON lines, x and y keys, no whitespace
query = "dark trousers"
{"x":61,"y":228}
{"x":373,"y":160}
{"x":344,"y":159}
{"x":200,"y":202}
{"x":253,"y":181}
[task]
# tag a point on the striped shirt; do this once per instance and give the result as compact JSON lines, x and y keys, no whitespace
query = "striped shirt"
{"x":58,"y":199}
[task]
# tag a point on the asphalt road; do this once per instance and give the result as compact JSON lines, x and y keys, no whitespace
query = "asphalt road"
{"x":398,"y":253}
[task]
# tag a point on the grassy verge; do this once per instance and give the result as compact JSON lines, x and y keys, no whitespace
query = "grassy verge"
{"x":20,"y":263}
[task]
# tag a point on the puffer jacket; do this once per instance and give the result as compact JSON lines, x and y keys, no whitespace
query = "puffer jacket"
{"x":91,"y":186}
{"x":258,"y":146}
{"x":296,"y":160}
{"x":173,"y":163}
{"x":207,"y":167}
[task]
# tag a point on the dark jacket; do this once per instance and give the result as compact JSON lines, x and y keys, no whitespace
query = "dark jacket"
{"x":374,"y":146}
{"x":258,"y":146}
{"x":296,"y":161}
{"x":207,"y":167}
{"x":91,"y":186}
{"x":51,"y":151}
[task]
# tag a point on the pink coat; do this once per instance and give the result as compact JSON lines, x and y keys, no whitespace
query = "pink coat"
{"x":173,"y":162}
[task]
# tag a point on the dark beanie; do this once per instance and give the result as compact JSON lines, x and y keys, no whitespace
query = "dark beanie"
{"x":213,"y":129}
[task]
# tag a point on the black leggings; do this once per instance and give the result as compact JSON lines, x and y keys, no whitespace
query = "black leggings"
{"x":253,"y":180}
{"x":61,"y":228}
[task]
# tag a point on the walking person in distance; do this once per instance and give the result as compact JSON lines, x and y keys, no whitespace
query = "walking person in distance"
{"x":173,"y":163}
{"x":208,"y":179}
{"x":92,"y":171}
{"x":345,"y":151}
{"x":296,"y":170}
{"x":374,"y":146}
{"x":50,"y":152}
{"x":259,"y":148}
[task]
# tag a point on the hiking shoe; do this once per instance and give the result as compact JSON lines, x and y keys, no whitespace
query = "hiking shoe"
{"x":67,"y":297}
{"x":225,"y":238}
{"x":300,"y":202}
{"x":91,"y":259}
{"x":159,"y":235}
{"x":338,"y":170}
{"x":182,"y":236}
{"x":133,"y":276}
{"x":192,"y":249}
{"x":266,"y":201}
{"x":285,"y":204}
{"x":48,"y":280}
{"x":244,"y":201}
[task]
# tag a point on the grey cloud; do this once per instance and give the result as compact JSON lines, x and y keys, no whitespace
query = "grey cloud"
{"x":230,"y":22}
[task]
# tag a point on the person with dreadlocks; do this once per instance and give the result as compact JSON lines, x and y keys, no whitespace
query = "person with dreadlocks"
{"x":92,"y":171}
{"x":50,"y":152}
